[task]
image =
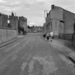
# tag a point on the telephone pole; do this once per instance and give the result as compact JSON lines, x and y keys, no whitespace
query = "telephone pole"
{"x":45,"y":14}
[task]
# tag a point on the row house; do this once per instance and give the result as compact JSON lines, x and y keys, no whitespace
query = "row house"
{"x":60,"y":21}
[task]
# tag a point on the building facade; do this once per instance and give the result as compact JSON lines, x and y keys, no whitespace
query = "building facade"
{"x":3,"y":21}
{"x":13,"y":22}
{"x":60,"y":21}
{"x":22,"y":24}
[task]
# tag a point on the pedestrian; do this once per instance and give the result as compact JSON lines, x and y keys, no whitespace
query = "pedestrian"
{"x":44,"y":35}
{"x":47,"y":36}
{"x":51,"y":35}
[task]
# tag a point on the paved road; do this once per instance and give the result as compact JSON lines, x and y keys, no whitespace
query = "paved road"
{"x":32,"y":55}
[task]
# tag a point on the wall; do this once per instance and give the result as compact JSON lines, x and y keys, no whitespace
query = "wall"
{"x":68,"y":25}
{"x":56,"y":17}
{"x":13,"y":22}
{"x":25,"y":25}
{"x":3,"y":21}
{"x":0,"y":20}
{"x":57,"y":13}
{"x":6,"y":35}
{"x":55,"y":27}
{"x":23,"y":22}
{"x":69,"y":21}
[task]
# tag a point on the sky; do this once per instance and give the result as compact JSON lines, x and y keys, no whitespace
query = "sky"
{"x":33,"y":10}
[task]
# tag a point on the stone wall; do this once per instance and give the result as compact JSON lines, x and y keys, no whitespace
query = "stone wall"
{"x":57,"y":13}
{"x":68,"y":25}
{"x":23,"y":23}
{"x":3,"y":21}
{"x":55,"y":27}
{"x":13,"y":22}
{"x":6,"y":34}
{"x":68,"y":22}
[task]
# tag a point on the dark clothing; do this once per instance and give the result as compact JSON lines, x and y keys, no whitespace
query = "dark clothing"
{"x":44,"y":35}
{"x":47,"y":37}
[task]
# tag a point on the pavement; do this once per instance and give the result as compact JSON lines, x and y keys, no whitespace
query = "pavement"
{"x":66,"y":47}
{"x":10,"y":41}
{"x":33,"y":55}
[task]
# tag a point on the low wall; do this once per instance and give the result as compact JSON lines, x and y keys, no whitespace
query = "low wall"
{"x":6,"y":34}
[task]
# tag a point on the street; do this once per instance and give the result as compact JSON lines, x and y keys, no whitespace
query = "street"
{"x":32,"y":55}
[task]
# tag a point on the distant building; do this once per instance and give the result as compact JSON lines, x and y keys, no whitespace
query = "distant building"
{"x":3,"y":21}
{"x":22,"y":25}
{"x":60,"y":21}
{"x":23,"y":22}
{"x":13,"y":21}
{"x":38,"y":29}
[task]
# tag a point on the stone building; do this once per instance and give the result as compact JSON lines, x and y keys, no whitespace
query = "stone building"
{"x":13,"y":22}
{"x":60,"y":21}
{"x":8,"y":24}
{"x":3,"y":21}
{"x":22,"y":24}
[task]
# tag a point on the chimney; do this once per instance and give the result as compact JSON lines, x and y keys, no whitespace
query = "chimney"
{"x":52,"y":6}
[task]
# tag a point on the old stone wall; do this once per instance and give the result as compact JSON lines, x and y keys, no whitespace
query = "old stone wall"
{"x":68,"y":25}
{"x":69,"y":21}
{"x":6,"y":35}
{"x":23,"y":23}
{"x":8,"y":31}
{"x":13,"y":22}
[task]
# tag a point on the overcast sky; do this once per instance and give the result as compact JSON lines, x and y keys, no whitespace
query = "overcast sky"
{"x":34,"y":9}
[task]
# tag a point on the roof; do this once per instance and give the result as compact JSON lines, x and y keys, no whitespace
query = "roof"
{"x":65,"y":9}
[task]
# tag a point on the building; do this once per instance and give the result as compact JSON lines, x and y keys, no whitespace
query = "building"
{"x":60,"y":21}
{"x":22,"y":24}
{"x":9,"y":22}
{"x":8,"y":25}
{"x":13,"y":22}
{"x":3,"y":21}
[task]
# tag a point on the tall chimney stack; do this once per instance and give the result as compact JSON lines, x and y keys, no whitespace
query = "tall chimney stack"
{"x":52,"y":6}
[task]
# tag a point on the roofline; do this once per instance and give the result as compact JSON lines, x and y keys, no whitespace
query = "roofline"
{"x":65,"y":9}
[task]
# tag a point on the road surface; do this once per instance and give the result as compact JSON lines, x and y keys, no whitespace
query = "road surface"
{"x":32,"y":55}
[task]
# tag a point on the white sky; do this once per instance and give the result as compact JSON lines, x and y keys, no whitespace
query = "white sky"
{"x":34,"y":9}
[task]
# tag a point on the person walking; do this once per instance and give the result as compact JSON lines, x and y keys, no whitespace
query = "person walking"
{"x":51,"y":35}
{"x":48,"y":36}
{"x":44,"y":35}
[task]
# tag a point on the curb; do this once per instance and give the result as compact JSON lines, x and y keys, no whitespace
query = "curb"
{"x":70,"y":55}
{"x":9,"y":42}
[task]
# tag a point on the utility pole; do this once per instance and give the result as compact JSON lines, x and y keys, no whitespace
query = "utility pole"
{"x":45,"y":13}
